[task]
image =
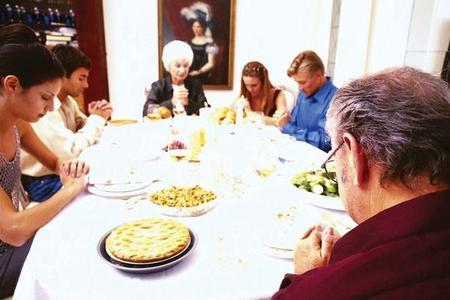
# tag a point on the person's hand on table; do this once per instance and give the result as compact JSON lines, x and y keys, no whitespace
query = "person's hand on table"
{"x":314,"y":248}
{"x":281,"y":118}
{"x":73,"y":173}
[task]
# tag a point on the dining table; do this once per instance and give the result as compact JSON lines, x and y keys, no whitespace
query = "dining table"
{"x":243,"y":244}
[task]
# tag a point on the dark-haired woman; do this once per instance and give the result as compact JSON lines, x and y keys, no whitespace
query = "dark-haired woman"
{"x":204,"y":51}
{"x":30,"y":77}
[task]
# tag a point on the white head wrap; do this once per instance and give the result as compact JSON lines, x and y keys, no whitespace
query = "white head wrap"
{"x":176,"y":50}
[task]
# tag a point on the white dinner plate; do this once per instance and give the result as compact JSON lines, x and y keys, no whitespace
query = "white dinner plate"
{"x":279,"y":252}
{"x":96,"y":191}
{"x":122,"y":188}
{"x":333,"y":203}
{"x":283,"y":227}
{"x":282,"y":238}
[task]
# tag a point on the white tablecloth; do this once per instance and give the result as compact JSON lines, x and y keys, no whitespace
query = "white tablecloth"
{"x":229,"y":262}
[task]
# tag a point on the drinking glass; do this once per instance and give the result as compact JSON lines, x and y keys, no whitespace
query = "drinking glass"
{"x":256,"y":118}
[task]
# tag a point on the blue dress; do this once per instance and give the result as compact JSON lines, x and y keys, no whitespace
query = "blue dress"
{"x":200,"y":59}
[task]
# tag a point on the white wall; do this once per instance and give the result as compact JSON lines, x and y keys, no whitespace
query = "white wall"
{"x":132,"y":51}
{"x":352,"y":45}
{"x":429,"y":35}
{"x":373,"y":35}
{"x":273,"y":32}
{"x":388,"y":33}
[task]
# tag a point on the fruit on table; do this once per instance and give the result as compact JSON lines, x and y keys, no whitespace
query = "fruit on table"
{"x":176,"y":144}
{"x":159,"y":113}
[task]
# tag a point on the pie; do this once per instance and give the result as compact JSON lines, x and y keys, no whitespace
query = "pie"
{"x":147,"y":240}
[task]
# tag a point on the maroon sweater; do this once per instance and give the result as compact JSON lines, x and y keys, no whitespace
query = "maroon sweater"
{"x":401,"y":253}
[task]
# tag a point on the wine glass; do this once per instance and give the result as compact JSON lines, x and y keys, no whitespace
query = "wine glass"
{"x":256,"y":118}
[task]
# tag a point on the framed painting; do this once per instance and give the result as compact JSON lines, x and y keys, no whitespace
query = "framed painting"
{"x":208,"y":27}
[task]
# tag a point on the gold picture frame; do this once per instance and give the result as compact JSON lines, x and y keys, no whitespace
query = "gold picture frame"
{"x":175,"y":18}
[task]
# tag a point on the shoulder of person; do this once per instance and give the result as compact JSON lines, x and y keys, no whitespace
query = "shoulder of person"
{"x":211,"y":47}
{"x":330,"y":83}
{"x":162,"y":84}
{"x":23,"y":126}
{"x":72,"y":101}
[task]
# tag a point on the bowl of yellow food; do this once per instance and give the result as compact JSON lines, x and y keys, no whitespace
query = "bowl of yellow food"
{"x":183,"y":200}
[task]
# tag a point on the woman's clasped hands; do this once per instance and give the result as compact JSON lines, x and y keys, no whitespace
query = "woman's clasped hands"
{"x":73,"y":172}
{"x":281,"y":117}
{"x":180,"y":95}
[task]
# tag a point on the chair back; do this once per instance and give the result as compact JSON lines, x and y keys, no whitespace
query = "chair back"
{"x":290,"y":95}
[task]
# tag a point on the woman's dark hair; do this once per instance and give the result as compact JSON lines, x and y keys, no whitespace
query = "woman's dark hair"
{"x":200,"y":21}
{"x":32,"y":64}
{"x":17,"y":33}
{"x":71,"y":58}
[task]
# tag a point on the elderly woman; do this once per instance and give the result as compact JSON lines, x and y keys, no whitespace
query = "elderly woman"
{"x":258,"y":93}
{"x":177,"y":88}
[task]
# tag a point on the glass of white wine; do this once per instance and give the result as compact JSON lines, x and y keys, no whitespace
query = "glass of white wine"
{"x":265,"y":163}
{"x":256,"y":118}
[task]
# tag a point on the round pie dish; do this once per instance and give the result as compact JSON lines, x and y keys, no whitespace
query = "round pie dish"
{"x":143,"y":268}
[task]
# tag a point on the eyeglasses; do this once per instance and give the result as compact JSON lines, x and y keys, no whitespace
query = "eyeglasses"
{"x":330,"y":170}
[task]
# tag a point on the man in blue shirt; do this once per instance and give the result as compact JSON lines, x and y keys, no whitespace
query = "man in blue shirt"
{"x":308,"y":117}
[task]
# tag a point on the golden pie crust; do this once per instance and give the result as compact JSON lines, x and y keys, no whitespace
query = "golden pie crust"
{"x":148,"y":240}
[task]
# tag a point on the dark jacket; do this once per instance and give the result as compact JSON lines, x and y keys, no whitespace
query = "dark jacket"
{"x":402,"y":252}
{"x":161,"y":93}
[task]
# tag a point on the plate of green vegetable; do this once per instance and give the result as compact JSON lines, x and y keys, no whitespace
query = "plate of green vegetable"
{"x":320,"y":190}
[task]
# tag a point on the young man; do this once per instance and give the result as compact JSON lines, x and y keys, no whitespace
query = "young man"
{"x":307,"y":122}
{"x":66,"y":130}
{"x":391,"y":137}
